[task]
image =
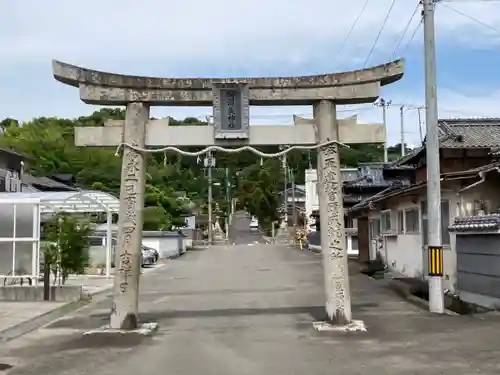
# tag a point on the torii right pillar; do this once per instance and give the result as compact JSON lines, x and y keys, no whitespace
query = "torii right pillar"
{"x":333,"y":249}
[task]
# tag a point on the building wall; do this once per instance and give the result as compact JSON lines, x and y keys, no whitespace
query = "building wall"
{"x":404,"y":254}
{"x":478,"y":256}
{"x":479,"y":269}
{"x":451,"y":163}
{"x":311,"y":188}
{"x":311,"y":197}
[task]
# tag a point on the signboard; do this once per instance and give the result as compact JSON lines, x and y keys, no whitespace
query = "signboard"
{"x":435,"y":261}
{"x":231,"y":111}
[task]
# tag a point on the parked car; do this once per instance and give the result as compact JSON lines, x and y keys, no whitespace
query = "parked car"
{"x":149,"y":256}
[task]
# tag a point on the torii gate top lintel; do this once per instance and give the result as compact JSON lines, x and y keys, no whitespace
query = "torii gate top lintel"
{"x":357,"y":86}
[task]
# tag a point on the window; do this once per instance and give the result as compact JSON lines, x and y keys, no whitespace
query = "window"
{"x":96,"y":241}
{"x":401,"y":224}
{"x":350,"y":222}
{"x":385,"y":219}
{"x":374,"y":228}
{"x":445,"y":222}
{"x":411,"y":219}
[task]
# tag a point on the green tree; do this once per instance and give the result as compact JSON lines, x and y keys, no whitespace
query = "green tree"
{"x":258,"y":191}
{"x":67,"y":243}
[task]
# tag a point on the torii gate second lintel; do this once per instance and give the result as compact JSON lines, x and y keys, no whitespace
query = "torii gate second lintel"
{"x":230,"y":99}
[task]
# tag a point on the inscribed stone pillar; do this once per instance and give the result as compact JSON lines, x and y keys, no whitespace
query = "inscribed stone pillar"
{"x":333,"y":244}
{"x":127,"y":259}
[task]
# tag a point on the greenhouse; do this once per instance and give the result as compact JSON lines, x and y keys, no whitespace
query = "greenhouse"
{"x":21,"y":215}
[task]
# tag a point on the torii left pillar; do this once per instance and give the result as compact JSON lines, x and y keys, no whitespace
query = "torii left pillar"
{"x":125,"y":307}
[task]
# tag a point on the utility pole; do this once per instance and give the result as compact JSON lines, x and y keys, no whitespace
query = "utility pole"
{"x":228,"y":200}
{"x":294,"y":213}
{"x":436,"y":297}
{"x":401,"y":110}
{"x":384,"y":104}
{"x":209,"y":161}
{"x":285,"y":195}
{"x":420,"y":125}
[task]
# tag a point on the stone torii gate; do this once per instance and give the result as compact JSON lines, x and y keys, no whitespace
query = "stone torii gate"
{"x":230,"y":98}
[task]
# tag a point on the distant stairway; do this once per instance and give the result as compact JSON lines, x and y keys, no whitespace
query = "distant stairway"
{"x":282,"y":236}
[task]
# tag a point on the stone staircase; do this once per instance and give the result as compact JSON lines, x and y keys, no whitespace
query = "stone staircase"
{"x":283,"y":236}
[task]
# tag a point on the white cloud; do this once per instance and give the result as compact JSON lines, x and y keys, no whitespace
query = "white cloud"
{"x":106,"y":32}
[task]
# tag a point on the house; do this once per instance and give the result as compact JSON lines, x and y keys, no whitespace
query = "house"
{"x":358,"y":184}
{"x":31,"y":183}
{"x":14,"y":179}
{"x":296,"y":199}
{"x":395,"y":220}
{"x":11,"y":166}
{"x":464,"y":144}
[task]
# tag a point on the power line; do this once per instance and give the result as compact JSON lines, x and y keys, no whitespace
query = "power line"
{"x":411,"y":37}
{"x":471,"y":18}
{"x":405,"y":30}
{"x":379,"y":33}
{"x":351,"y":30}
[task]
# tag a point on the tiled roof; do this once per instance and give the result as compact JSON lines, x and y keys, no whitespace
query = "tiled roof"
{"x":45,"y":182}
{"x":470,"y":133}
{"x":369,"y":175}
{"x":463,"y":133}
{"x":476,"y":223}
{"x":10,"y":151}
{"x":399,"y":187}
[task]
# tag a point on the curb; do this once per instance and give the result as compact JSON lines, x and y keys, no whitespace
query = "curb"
{"x":41,"y":320}
{"x":405,"y":292}
{"x":30,"y":325}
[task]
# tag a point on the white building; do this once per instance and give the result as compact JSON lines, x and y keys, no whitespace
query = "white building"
{"x":312,"y":205}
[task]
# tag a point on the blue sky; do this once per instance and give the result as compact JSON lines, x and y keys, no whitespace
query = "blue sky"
{"x":252,"y":38}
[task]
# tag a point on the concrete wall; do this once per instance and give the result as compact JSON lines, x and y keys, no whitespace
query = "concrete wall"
{"x":478,"y":263}
{"x":168,"y":244}
{"x":478,"y":256}
{"x":404,"y":253}
{"x":64,"y":293}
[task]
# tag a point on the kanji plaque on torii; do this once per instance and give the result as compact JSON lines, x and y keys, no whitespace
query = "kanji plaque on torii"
{"x":230,"y":99}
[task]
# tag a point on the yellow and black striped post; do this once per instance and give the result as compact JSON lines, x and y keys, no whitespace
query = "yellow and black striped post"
{"x":435,"y":265}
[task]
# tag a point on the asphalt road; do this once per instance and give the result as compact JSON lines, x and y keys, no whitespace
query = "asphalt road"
{"x":240,"y":233}
{"x":248,"y":310}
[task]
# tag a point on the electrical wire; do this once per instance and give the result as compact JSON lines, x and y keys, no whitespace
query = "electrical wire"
{"x":411,"y":37}
{"x":379,"y":33}
{"x":350,"y":30}
{"x":472,"y":18}
{"x":405,"y":30}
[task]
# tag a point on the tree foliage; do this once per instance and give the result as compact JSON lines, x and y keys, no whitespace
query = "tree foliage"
{"x":258,"y":191}
{"x":49,"y":142}
{"x":67,"y":241}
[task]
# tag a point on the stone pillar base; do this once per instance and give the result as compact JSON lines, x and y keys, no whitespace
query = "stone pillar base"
{"x":146,"y":329}
{"x":353,"y":326}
